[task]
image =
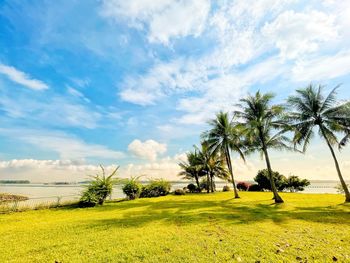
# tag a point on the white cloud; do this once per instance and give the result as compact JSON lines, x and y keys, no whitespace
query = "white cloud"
{"x":149,"y":149}
{"x":65,"y":145}
{"x":164,"y":19}
{"x":22,"y":78}
{"x":322,"y":68}
{"x":295,"y":34}
{"x":161,"y":79}
{"x":212,"y":79}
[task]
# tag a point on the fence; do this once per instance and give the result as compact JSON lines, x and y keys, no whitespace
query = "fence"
{"x":37,"y":203}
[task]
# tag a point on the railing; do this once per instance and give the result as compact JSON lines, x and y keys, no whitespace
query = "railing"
{"x":37,"y":203}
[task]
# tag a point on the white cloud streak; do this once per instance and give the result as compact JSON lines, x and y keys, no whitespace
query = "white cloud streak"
{"x":22,"y":78}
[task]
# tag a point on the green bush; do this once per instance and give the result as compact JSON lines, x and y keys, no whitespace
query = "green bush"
{"x":132,"y":188}
{"x":179,"y":192}
{"x":254,"y":188}
{"x":156,"y":188}
{"x":192,"y":188}
{"x":295,"y":184}
{"x":98,"y":189}
{"x":262,"y":178}
{"x":89,"y":198}
{"x":226,"y":188}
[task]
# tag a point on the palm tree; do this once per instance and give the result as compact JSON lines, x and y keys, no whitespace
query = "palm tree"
{"x":212,"y":165}
{"x":223,"y":138}
{"x":260,"y":120}
{"x":312,"y":109}
{"x":191,"y":169}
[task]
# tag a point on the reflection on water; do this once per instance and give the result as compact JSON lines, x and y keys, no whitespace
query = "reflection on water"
{"x":51,"y":191}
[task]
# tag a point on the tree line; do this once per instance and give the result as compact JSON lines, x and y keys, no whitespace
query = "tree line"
{"x":258,"y":125}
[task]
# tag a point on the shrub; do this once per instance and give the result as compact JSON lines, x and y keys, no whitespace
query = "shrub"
{"x":98,"y":189}
{"x":192,"y":188}
{"x":89,"y":198}
{"x":262,"y":178}
{"x":203,"y":185}
{"x":226,"y":188}
{"x":295,"y":184}
{"x":132,"y":188}
{"x":243,"y":186}
{"x":254,"y":188}
{"x":179,"y":192}
{"x":156,"y":188}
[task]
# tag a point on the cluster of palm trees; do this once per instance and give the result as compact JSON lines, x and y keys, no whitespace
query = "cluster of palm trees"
{"x":203,"y":163}
{"x":260,"y":126}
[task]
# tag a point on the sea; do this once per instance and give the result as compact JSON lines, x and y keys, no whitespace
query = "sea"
{"x":73,"y":191}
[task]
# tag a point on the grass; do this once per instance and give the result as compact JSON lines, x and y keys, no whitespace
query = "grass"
{"x":190,"y":228}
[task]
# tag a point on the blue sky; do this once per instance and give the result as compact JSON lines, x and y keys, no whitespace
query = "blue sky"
{"x":134,"y":82}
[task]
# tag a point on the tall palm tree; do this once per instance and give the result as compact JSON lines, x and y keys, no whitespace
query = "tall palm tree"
{"x":312,"y":109}
{"x":191,"y":169}
{"x":223,"y":138}
{"x":262,"y":128}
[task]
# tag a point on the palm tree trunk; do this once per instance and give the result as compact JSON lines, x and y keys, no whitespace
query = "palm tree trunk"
{"x":211,"y":183}
{"x":197,"y":181}
{"x":208,"y":181}
{"x":343,"y":184}
{"x":276,"y":196}
{"x":228,"y":160}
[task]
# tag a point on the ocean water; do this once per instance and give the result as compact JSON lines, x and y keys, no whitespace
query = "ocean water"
{"x":46,"y":192}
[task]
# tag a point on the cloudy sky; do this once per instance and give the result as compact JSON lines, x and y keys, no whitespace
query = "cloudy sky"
{"x":132,"y":83}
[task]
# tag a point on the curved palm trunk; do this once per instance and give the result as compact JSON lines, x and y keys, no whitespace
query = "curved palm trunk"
{"x":343,"y":184}
{"x":276,"y":196}
{"x":228,"y":160}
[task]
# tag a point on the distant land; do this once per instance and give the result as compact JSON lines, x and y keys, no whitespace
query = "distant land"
{"x":14,"y":182}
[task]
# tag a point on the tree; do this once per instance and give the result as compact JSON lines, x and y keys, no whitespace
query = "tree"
{"x":192,"y":168}
{"x":263,"y":180}
{"x":212,"y":165}
{"x":295,"y":184}
{"x":311,"y":109}
{"x":223,"y":138}
{"x":262,"y":127}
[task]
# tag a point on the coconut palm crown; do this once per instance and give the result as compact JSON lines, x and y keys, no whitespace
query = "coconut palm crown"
{"x":310,"y":110}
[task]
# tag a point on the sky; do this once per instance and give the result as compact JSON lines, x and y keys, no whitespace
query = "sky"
{"x":133,"y":83}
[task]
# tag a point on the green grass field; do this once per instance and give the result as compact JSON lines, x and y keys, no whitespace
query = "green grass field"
{"x":191,"y":228}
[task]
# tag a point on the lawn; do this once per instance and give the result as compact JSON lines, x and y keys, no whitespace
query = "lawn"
{"x":191,"y":228}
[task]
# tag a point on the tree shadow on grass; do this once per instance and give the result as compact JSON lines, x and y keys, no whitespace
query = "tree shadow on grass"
{"x":184,"y":212}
